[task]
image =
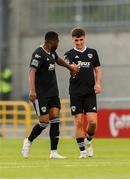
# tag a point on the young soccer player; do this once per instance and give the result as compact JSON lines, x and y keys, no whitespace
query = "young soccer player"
{"x":43,"y":92}
{"x":83,"y":89}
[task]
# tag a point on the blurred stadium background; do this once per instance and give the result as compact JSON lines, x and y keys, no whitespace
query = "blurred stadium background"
{"x":22,"y":27}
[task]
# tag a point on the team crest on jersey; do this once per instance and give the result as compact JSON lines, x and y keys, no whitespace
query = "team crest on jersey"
{"x":90,"y":56}
{"x":37,"y":56}
{"x":35,"y":62}
{"x":73,"y":108}
{"x":43,"y":109}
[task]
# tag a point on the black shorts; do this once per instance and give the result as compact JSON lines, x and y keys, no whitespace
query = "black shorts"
{"x":42,"y":105}
{"x":83,"y":104}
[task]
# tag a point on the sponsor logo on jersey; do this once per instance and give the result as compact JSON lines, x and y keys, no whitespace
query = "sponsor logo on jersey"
{"x":35,"y":62}
{"x":90,"y":56}
{"x":73,"y":108}
{"x":43,"y":109}
{"x":51,"y":67}
{"x":84,"y":64}
{"x":37,"y":56}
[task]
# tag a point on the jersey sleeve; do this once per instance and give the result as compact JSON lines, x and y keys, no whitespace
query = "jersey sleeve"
{"x":36,"y":60}
{"x":56,"y":56}
{"x":67,"y":58}
{"x":96,"y":59}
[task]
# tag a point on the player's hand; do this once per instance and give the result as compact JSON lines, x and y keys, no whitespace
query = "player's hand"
{"x":74,"y":69}
{"x":32,"y":95}
{"x":97,"y":88}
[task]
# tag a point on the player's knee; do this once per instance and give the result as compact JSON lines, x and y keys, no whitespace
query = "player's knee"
{"x":43,"y":119}
{"x":93,"y":123}
{"x":78,"y":123}
{"x":92,"y":126}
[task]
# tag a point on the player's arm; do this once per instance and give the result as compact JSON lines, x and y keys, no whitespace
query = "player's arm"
{"x":31,"y":79}
{"x":72,"y":67}
{"x":35,"y":64}
{"x":98,"y":77}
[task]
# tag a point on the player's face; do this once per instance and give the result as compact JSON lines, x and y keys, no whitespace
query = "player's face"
{"x":54,"y":44}
{"x":79,"y":42}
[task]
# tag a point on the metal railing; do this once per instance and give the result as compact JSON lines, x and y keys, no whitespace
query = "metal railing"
{"x":15,"y":118}
{"x":66,"y":14}
{"x":18,"y":117}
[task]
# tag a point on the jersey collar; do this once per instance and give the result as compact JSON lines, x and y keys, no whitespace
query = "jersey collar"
{"x":80,"y":50}
{"x":44,"y":49}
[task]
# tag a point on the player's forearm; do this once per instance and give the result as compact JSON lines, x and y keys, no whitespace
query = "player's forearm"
{"x":31,"y":79}
{"x":61,"y":62}
{"x":73,"y":68}
{"x":98,"y":75}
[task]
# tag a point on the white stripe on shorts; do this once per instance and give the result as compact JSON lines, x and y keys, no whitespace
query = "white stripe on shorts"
{"x":37,"y":107}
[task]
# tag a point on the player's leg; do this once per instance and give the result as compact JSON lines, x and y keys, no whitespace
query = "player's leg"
{"x":91,"y":127}
{"x":79,"y":134}
{"x":39,"y":127}
{"x":92,"y":124}
{"x":77,"y":111}
{"x":43,"y":116}
{"x":54,"y":132}
{"x":91,"y":109}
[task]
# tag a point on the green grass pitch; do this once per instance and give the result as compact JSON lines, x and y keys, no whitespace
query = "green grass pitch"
{"x":111,"y":160}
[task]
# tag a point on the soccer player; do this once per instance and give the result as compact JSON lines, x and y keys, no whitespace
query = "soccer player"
{"x":43,"y":92}
{"x":83,"y":89}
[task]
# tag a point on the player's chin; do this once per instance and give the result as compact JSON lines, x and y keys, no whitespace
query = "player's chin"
{"x":97,"y":92}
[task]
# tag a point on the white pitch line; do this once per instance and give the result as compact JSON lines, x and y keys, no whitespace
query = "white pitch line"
{"x":2,"y":163}
{"x":36,"y":165}
{"x":12,"y":167}
{"x":97,"y":165}
{"x":60,"y":179}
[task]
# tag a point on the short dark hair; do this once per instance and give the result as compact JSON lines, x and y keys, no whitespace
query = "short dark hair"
{"x":51,"y":35}
{"x":77,"y":32}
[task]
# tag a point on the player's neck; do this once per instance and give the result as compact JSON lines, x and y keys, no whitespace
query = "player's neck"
{"x":81,"y":50}
{"x":46,"y":49}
